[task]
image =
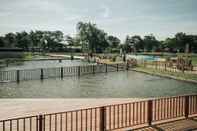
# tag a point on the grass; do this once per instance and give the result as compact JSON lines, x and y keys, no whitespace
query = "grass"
{"x":28,"y":56}
{"x":174,"y":75}
{"x":194,"y":60}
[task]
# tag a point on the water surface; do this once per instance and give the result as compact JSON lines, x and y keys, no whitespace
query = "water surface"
{"x":43,"y":64}
{"x":121,"y":84}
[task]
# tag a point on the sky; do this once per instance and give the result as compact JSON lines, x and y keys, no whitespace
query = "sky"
{"x":163,"y":18}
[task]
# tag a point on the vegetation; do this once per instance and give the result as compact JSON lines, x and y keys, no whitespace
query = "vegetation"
{"x":174,"y":75}
{"x":34,"y":41}
{"x":91,"y":39}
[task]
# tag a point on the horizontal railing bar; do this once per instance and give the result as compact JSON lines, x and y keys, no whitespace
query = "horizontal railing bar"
{"x":47,"y":68}
{"x":97,"y":107}
{"x":14,"y":119}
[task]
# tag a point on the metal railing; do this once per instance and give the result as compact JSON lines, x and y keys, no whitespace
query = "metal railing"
{"x":43,"y":73}
{"x":164,"y":66}
{"x":108,"y":117}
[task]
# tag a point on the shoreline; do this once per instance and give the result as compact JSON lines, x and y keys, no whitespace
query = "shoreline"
{"x":164,"y":75}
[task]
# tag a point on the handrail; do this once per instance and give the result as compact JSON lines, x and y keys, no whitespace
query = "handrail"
{"x":116,"y":116}
{"x":42,"y":73}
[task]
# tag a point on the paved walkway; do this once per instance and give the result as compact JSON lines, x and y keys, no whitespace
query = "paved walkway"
{"x":13,"y":108}
{"x":180,"y":125}
{"x":23,"y":107}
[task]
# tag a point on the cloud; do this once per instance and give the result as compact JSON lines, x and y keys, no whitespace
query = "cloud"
{"x":118,"y":17}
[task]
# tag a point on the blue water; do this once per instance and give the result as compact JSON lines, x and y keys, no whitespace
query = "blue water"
{"x":144,"y":57}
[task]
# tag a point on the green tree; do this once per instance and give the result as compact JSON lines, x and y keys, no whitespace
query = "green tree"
{"x":181,"y":41}
{"x":10,"y":40}
{"x":150,"y":43}
{"x":127,"y":44}
{"x":91,"y":37}
{"x":137,"y":42}
{"x":23,"y":40}
{"x":70,"y":40}
{"x":113,"y":41}
{"x":170,"y":45}
{"x":2,"y":42}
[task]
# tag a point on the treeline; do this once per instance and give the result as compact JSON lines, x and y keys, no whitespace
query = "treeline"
{"x":181,"y":42}
{"x":34,"y":40}
{"x":91,"y":39}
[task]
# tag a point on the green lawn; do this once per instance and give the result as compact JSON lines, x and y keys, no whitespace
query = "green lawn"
{"x":194,"y":60}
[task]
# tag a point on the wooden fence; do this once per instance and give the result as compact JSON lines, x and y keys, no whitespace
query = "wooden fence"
{"x":164,"y":66}
{"x":108,"y":117}
{"x":43,"y":73}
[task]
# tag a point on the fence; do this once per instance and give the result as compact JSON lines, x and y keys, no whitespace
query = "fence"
{"x":32,"y":74}
{"x":164,"y":66}
{"x":109,"y":117}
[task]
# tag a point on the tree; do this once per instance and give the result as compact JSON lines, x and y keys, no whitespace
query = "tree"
{"x":193,"y":44}
{"x":47,"y":40}
{"x":91,"y":37}
{"x":127,"y":44}
{"x":23,"y":40}
{"x":137,"y":42}
{"x":150,"y":43}
{"x":70,"y":40}
{"x":2,"y":42}
{"x":113,"y":41}
{"x":36,"y":37}
{"x":133,"y":43}
{"x":10,"y":40}
{"x":181,"y":41}
{"x":170,"y":45}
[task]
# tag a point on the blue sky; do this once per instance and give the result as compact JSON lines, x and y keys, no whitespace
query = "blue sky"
{"x":163,"y":18}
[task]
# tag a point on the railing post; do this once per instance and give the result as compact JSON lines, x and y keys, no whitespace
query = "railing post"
{"x":150,"y":112}
{"x":93,"y":69}
{"x":144,"y":63}
{"x":41,"y":74}
{"x":79,"y":71}
{"x":18,"y":76}
{"x":40,"y":122}
{"x":156,"y":65}
{"x":117,"y":67}
{"x":165,"y":66}
{"x":127,"y":68}
{"x":183,"y":68}
{"x":106,"y":68}
{"x":186,"y":106}
{"x":62,"y":72}
{"x":102,"y":119}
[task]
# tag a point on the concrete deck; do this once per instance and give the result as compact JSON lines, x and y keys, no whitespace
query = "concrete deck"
{"x":13,"y":108}
{"x":180,"y":125}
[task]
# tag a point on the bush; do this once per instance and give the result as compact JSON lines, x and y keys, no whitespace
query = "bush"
{"x":114,"y":58}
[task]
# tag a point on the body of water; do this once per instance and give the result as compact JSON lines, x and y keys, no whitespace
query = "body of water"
{"x":123,"y":84}
{"x":43,"y":64}
{"x":144,"y":57}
